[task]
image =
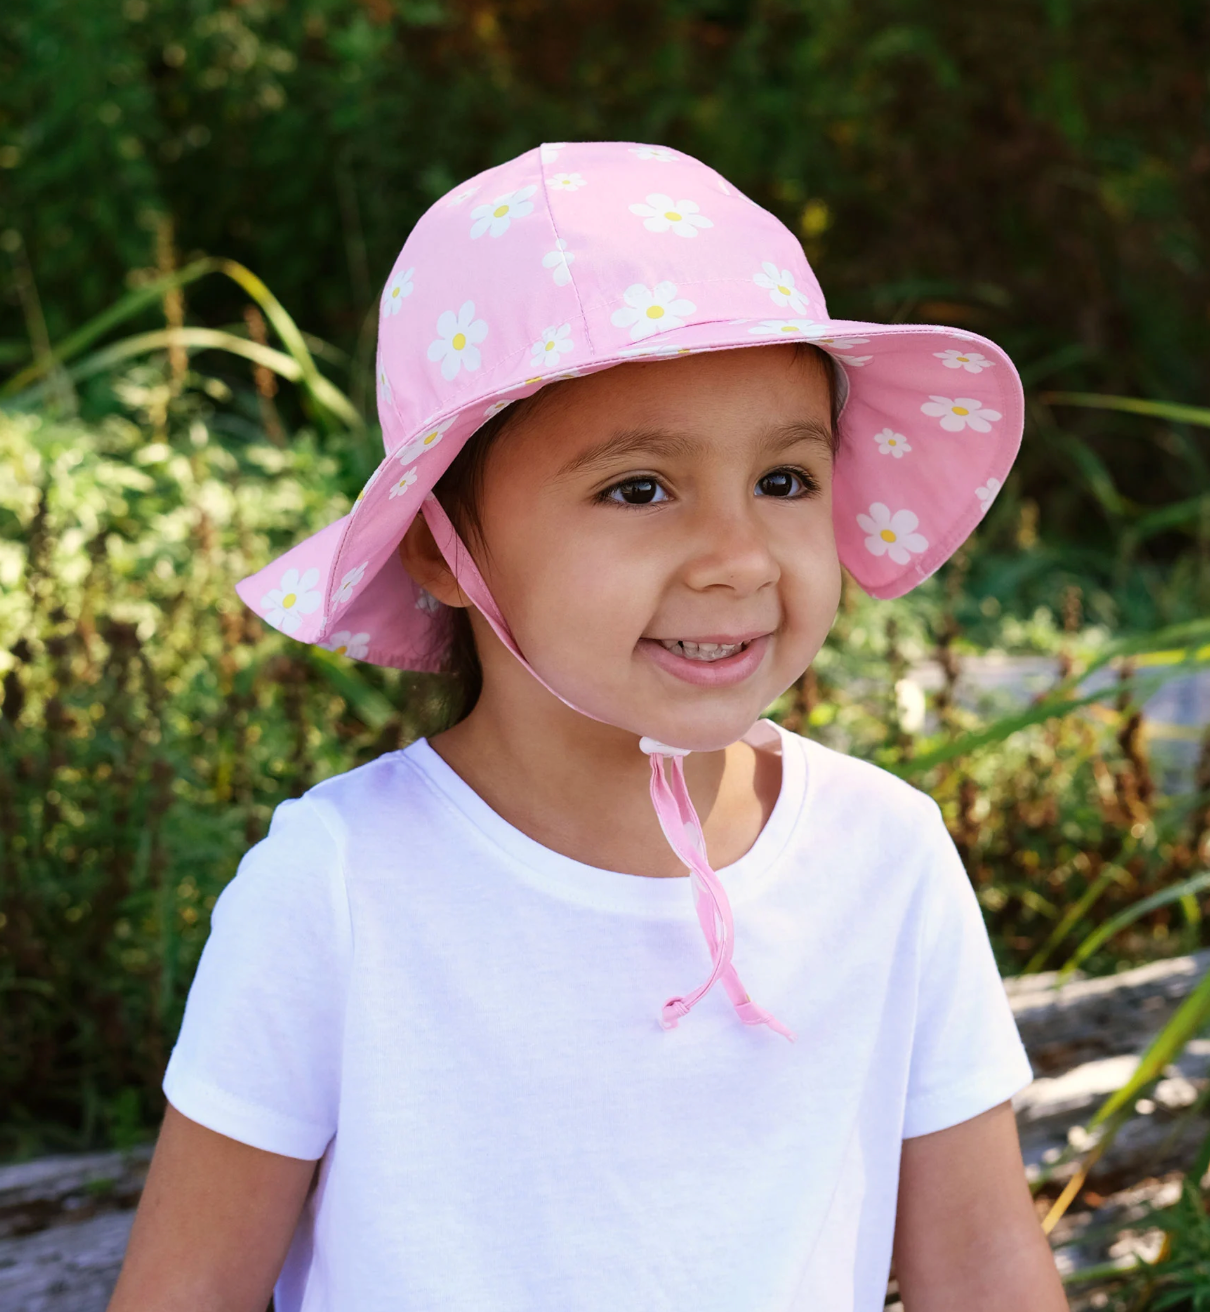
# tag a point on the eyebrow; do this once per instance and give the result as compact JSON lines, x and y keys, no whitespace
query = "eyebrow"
{"x":663,"y":443}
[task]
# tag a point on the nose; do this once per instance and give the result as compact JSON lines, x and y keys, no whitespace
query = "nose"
{"x":731,"y":550}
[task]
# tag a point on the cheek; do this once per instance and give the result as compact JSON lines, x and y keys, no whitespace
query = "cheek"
{"x":811,"y":581}
{"x":572,"y":594}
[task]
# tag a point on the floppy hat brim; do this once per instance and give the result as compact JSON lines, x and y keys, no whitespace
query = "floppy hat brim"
{"x":930,"y":428}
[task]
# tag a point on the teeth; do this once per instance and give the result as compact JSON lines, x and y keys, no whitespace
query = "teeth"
{"x":702,"y":651}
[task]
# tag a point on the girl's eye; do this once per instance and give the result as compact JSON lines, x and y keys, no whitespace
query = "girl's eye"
{"x":785,"y":483}
{"x":636,"y":492}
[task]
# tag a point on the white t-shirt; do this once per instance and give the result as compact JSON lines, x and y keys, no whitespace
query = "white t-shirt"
{"x":464,"y":1025}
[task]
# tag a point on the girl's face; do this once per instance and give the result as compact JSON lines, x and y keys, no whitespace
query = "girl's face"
{"x":659,"y":537}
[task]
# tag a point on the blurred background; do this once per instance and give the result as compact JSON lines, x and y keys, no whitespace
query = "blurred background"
{"x":199,"y":203}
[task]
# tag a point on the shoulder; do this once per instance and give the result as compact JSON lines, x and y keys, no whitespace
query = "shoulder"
{"x":384,"y":791}
{"x":871,"y":816}
{"x":846,"y":785}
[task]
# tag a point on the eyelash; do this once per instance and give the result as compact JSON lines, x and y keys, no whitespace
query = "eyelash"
{"x":808,"y":486}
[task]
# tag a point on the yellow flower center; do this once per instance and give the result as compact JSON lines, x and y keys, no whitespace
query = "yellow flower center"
{"x":361,"y":494}
{"x":550,"y":346}
{"x":340,"y":651}
{"x":961,"y":410}
{"x":538,"y":379}
{"x":458,"y":341}
{"x":886,"y":535}
{"x":890,"y":441}
{"x":673,"y":216}
{"x":430,"y":438}
{"x":785,"y":291}
{"x":655,"y":311}
{"x":963,"y":359}
{"x":500,"y":211}
{"x":788,"y":328}
{"x":288,"y":600}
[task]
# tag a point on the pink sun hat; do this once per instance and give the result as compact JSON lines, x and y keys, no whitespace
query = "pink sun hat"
{"x":577,"y":256}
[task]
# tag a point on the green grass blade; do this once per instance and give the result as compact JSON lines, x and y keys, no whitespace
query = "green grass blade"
{"x":1092,"y":894}
{"x":1176,"y":515}
{"x":329,"y":397}
{"x":1180,"y":647}
{"x":1190,"y":1017}
{"x":1167,"y":645}
{"x":196,"y":339}
{"x":996,"y":732}
{"x":201,"y":339}
{"x":292,"y":338}
{"x":1115,"y":924}
{"x":1097,"y":476}
{"x":1180,"y":414}
{"x":131,"y":304}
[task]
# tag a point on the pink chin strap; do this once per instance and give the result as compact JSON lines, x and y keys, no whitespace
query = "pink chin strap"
{"x":669,"y":795}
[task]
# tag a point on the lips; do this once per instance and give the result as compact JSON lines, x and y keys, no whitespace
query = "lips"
{"x":717,"y":662}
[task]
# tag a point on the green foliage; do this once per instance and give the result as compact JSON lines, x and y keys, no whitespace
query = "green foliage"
{"x":149,"y":725}
{"x":1180,"y":1280}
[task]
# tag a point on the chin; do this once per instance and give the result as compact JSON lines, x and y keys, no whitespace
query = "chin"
{"x":702,"y":729}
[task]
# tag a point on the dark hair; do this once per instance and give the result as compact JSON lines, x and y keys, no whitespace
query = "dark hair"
{"x":460,"y":492}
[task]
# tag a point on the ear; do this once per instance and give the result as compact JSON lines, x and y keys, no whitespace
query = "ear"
{"x":426,"y":566}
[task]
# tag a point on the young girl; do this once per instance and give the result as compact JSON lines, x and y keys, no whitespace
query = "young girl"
{"x":495,"y":1022}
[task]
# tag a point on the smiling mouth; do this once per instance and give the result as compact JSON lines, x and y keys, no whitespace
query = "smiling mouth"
{"x":701,"y":651}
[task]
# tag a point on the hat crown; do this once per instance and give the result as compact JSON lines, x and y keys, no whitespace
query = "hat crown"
{"x":567,"y":254}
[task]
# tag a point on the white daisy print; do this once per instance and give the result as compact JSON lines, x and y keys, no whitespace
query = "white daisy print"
{"x":892,"y":535}
{"x":661,"y":153}
{"x":651,"y":310}
{"x":662,"y":213}
{"x":426,"y":602}
{"x":419,"y":445}
{"x":496,"y":407}
{"x":384,"y":387}
{"x":566,"y":182}
{"x":402,"y":483}
{"x":987,"y":494}
{"x":971,"y":361}
{"x":779,"y":283}
{"x":345,"y":591}
{"x":495,"y":217}
{"x":457,"y":341}
{"x":465,"y":194}
{"x":788,"y":327}
{"x":549,"y":151}
{"x":559,"y":261}
{"x":857,"y":361}
{"x":891,"y":443}
{"x":554,"y":342}
{"x":960,"y":412}
{"x":295,"y":596}
{"x":399,"y":287}
{"x":347,"y":643}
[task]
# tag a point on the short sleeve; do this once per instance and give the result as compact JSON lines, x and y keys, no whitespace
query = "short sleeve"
{"x":967,"y":1055}
{"x":259,"y":1052}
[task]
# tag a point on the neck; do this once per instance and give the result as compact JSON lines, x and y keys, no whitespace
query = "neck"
{"x":581,"y":788}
